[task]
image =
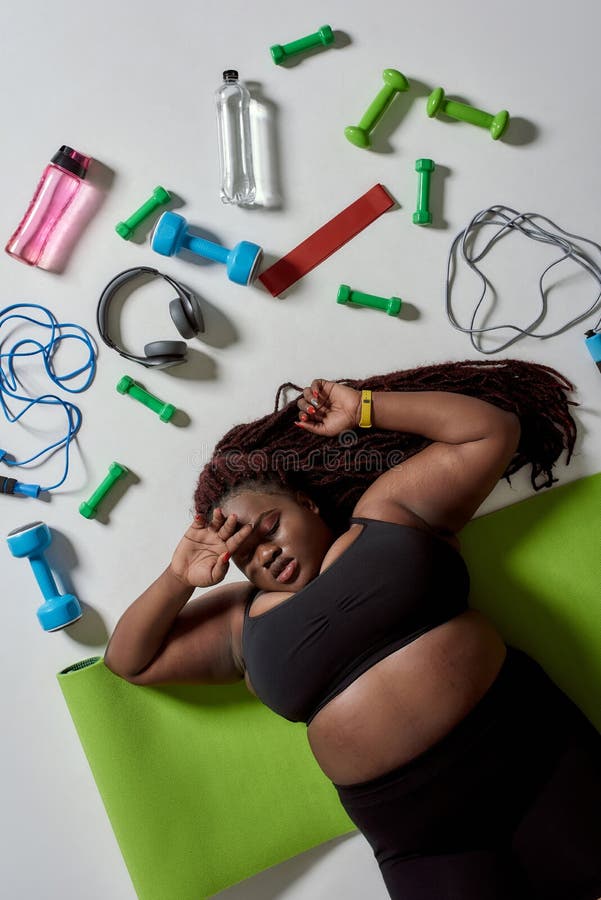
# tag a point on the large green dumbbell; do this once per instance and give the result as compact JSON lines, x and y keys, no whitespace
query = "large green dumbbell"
{"x":437,"y":102}
{"x":394,"y":83}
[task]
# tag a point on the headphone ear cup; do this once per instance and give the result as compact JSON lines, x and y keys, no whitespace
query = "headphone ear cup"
{"x":163,"y":354}
{"x":187,"y":316}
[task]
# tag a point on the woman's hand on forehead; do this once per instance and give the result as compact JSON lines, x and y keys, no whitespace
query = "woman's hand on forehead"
{"x":249,"y":538}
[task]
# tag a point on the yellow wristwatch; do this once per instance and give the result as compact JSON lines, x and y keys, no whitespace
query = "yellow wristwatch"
{"x":365,"y":418}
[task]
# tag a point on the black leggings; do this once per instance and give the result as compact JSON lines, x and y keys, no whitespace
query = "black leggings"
{"x":505,"y":807}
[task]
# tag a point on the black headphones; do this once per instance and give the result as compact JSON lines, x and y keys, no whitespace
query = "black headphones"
{"x":185,"y":312}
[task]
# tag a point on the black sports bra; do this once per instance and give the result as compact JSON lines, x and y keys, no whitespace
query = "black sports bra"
{"x":391,"y":585}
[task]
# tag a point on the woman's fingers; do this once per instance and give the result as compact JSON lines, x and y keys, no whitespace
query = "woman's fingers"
{"x":217,"y":519}
{"x":311,"y":409}
{"x":237,"y":539}
{"x":228,"y":527}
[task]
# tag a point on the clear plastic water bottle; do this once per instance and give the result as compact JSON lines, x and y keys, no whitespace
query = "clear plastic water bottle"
{"x":235,"y":150}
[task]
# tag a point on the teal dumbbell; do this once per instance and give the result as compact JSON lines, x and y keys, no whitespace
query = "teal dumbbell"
{"x":89,"y":507}
{"x":29,"y":542}
{"x":159,"y":197}
{"x":127,"y":385}
{"x":391,"y":305}
{"x":171,"y":235}
{"x":281,"y":52}
{"x":495,"y":124}
{"x":394,"y":83}
{"x":424,"y":168}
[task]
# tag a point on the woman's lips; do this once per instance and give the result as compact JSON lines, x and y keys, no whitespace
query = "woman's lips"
{"x":288,"y":572}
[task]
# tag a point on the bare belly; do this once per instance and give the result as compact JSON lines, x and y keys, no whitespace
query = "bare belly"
{"x":408,"y":701}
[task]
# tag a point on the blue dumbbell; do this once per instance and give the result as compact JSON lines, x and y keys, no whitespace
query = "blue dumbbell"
{"x":59,"y":610}
{"x":171,"y":235}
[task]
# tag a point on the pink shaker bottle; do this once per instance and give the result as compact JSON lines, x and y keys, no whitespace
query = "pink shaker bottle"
{"x":50,"y":218}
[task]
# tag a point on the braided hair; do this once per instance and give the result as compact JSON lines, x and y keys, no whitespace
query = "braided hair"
{"x":270,"y":455}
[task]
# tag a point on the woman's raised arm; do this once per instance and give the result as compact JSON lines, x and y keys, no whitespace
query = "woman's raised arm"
{"x":156,"y":627}
{"x":444,"y":484}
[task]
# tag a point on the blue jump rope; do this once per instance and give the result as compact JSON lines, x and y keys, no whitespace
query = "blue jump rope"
{"x":10,"y":386}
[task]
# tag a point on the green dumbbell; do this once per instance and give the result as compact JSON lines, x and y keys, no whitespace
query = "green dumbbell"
{"x":127,"y":385}
{"x":89,"y":507}
{"x":424,"y":168}
{"x":394,"y":83}
{"x":159,"y":197}
{"x":392,"y":305}
{"x":495,"y":124}
{"x":280,"y":52}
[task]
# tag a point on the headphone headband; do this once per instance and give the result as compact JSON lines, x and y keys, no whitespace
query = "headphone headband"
{"x":174,"y":352}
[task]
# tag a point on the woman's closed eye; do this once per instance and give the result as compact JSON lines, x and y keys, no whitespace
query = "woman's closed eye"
{"x":267,"y":528}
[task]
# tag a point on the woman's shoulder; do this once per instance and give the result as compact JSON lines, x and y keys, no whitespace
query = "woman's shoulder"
{"x":396,"y":514}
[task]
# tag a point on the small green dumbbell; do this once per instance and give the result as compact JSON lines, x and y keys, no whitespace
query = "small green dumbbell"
{"x":89,"y":507}
{"x":127,"y":385}
{"x":495,"y":124}
{"x":394,"y":83}
{"x":392,"y":305}
{"x":280,"y":52}
{"x":422,"y":215}
{"x":159,"y":197}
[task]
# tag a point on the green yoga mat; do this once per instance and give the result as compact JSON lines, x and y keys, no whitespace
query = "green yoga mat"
{"x":205,"y":787}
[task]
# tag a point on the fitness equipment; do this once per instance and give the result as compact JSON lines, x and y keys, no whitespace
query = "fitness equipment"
{"x":11,"y":387}
{"x":12,"y":486}
{"x":394,"y":83}
{"x":495,"y":124}
{"x":171,"y":235}
{"x":392,"y":305}
{"x":89,"y":507}
{"x":424,"y":168}
{"x":58,"y":610}
{"x":506,"y":221}
{"x":593,"y":342}
{"x":127,"y":385}
{"x":324,"y":36}
{"x":159,"y":197}
{"x":185,"y":312}
{"x":326,"y":240}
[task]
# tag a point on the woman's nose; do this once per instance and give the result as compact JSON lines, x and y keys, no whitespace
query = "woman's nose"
{"x":267,"y":554}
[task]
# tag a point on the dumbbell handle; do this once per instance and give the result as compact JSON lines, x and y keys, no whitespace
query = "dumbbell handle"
{"x":205,"y":248}
{"x":423,"y":189}
{"x":304,"y":43}
{"x":377,"y":107}
{"x":43,"y":576}
{"x":145,"y":210}
{"x":466,"y":113}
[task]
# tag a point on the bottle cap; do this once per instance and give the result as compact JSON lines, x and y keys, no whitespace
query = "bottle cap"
{"x":72,"y":161}
{"x":230,"y":75}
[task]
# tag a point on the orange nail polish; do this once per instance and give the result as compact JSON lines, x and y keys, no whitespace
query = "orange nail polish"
{"x":311,"y":409}
{"x":303,"y":417}
{"x":315,"y":393}
{"x":226,"y":556}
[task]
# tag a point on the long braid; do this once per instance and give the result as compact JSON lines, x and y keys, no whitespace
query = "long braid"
{"x":336,"y":471}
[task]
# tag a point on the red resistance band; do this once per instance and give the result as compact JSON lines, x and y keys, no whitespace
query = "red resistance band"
{"x":326,"y":240}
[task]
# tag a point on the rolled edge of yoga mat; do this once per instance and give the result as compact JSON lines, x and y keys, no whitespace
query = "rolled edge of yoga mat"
{"x":82,"y":664}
